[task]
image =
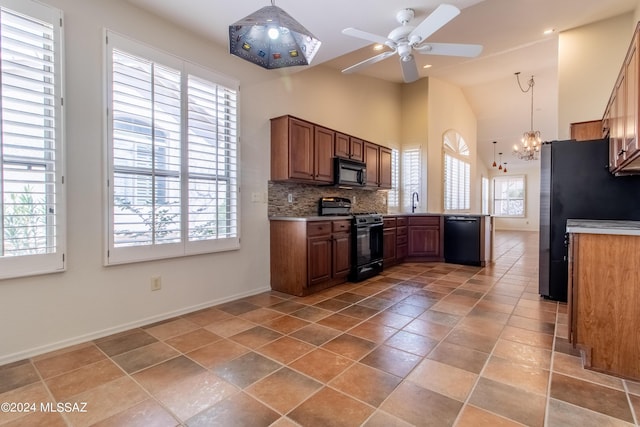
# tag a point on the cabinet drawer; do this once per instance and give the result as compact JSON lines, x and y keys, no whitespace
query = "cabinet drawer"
{"x":402,"y":221}
{"x":424,"y":220}
{"x":341,"y":225}
{"x":401,"y":240}
{"x":389,"y":223}
{"x":318,"y":228}
{"x":401,"y":231}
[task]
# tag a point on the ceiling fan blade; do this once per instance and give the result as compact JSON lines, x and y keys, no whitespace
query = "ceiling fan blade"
{"x":354,"y":32}
{"x":409,"y":69}
{"x":438,"y":18}
{"x":450,"y":49}
{"x":367,"y":62}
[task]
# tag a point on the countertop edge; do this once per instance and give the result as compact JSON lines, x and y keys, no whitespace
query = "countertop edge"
{"x":584,"y":226}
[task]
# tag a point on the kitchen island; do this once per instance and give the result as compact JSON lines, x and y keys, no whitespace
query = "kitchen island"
{"x":604,"y":295}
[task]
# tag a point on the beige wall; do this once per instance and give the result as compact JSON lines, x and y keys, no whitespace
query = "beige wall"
{"x":89,"y":300}
{"x":589,"y":60}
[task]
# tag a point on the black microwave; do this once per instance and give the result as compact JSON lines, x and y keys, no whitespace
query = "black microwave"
{"x":350,"y":173}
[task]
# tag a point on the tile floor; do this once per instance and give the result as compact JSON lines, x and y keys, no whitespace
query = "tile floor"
{"x":422,"y":344}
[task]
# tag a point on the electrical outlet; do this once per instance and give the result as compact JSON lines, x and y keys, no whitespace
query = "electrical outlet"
{"x":290,"y":198}
{"x":156,"y":283}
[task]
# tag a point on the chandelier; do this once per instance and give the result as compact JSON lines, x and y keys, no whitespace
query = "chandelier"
{"x":529,"y":147}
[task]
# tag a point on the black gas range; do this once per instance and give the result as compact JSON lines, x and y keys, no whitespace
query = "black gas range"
{"x":366,"y":237}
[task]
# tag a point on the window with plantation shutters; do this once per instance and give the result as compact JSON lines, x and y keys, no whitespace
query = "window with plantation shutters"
{"x":457,"y":172}
{"x":31,"y":153}
{"x":172,"y":166}
{"x":411,"y":175}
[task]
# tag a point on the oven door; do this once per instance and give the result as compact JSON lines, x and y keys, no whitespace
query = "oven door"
{"x":368,"y":243}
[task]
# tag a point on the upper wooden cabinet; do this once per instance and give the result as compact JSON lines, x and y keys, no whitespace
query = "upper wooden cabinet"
{"x":586,"y":131}
{"x":349,"y":147}
{"x":620,"y":120}
{"x":301,"y":151}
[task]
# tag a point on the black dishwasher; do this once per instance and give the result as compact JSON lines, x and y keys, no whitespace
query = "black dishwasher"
{"x":462,"y":239}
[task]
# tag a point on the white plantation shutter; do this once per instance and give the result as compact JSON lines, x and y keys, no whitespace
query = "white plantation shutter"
{"x":31,"y":160}
{"x":172,"y":144}
{"x":393,"y":196}
{"x":411,"y":175}
{"x":457,"y":172}
{"x":213,"y":203}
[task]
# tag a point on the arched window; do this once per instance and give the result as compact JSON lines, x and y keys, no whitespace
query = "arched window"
{"x":457,"y":172}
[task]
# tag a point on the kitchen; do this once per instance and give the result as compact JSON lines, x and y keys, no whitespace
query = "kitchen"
{"x":90,"y":300}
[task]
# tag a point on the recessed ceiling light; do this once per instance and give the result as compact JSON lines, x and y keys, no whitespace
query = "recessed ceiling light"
{"x":549,"y":31}
{"x":378,"y":47}
{"x":427,"y":66}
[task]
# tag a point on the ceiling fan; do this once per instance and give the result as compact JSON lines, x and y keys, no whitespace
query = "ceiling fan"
{"x":406,"y":39}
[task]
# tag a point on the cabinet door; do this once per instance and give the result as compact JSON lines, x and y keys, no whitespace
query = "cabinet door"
{"x":389,"y":245}
{"x":300,"y":150}
{"x":371,"y":159}
{"x":423,"y":241}
{"x":323,"y":155}
{"x":319,"y":259}
{"x":631,"y":108}
{"x":342,"y":145}
{"x":356,"y":149}
{"x":341,"y":254}
{"x":385,"y":167}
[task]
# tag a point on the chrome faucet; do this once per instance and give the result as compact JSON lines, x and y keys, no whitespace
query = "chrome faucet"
{"x":414,"y":200}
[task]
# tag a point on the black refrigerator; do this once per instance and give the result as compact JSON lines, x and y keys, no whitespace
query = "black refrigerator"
{"x":575,"y":183}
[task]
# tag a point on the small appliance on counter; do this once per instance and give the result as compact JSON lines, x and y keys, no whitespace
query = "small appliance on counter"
{"x":334,"y":206}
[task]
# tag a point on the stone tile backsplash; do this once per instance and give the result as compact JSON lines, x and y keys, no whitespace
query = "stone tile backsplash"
{"x":306,"y":197}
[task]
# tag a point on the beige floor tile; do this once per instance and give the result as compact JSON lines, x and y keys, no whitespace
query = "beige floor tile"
{"x":445,"y":379}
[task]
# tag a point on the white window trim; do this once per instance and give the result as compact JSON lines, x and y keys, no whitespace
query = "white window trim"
{"x":122,"y":255}
{"x":524,"y":197}
{"x":31,"y":265}
{"x":463,"y":158}
{"x":409,"y":186}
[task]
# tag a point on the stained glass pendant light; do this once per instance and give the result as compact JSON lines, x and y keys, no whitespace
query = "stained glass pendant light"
{"x":271,"y":38}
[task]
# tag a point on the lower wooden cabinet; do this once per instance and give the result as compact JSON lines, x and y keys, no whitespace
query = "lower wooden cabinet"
{"x":425,"y":238}
{"x":604,"y":291}
{"x":309,"y":256}
{"x":389,"y":242}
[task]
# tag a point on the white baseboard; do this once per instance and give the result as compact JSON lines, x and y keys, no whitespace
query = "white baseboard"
{"x":9,"y":358}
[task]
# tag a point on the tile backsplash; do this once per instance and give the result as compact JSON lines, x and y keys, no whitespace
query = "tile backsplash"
{"x":306,"y":197}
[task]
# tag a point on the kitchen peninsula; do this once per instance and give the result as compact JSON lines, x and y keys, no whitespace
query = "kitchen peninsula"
{"x":604,"y":294}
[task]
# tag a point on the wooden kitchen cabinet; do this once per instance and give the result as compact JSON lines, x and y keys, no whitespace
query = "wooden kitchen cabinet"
{"x":425,"y":238}
{"x":371,"y":158}
{"x":401,"y":238}
{"x":620,"y":119}
{"x":586,"y":131}
{"x":389,"y":246}
{"x":378,"y":160}
{"x":349,"y":147}
{"x":604,"y":298}
{"x":301,"y":151}
{"x":384,"y":172}
{"x":309,"y":256}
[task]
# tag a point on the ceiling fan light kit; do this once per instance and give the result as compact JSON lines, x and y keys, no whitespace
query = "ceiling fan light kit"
{"x":271,"y":38}
{"x":406,"y":39}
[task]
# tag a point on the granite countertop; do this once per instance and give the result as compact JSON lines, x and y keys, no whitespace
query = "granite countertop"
{"x":592,"y":226}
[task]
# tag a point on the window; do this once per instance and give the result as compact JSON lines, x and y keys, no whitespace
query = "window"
{"x":485,"y":195}
{"x":411,"y":176}
{"x":31,"y":142}
{"x":508,"y":196}
{"x":393,"y":196}
{"x":172,"y":156}
{"x":457,"y":172}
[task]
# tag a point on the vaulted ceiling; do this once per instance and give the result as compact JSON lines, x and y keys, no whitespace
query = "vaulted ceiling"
{"x":511,"y":32}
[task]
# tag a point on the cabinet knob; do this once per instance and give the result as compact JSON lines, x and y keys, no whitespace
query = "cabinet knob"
{"x":621,"y":152}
